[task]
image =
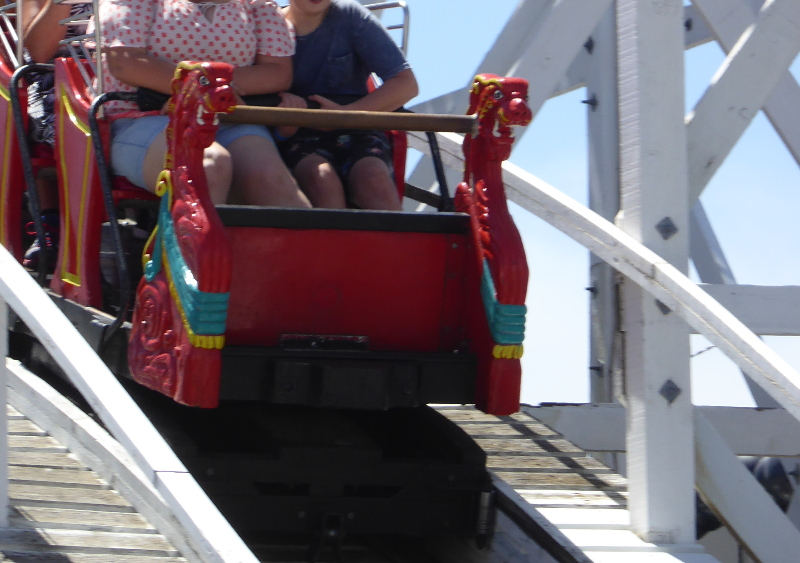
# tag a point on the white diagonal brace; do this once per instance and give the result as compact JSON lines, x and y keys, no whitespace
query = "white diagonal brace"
{"x":740,"y":88}
{"x":728,"y":21}
{"x":727,"y":486}
{"x":504,"y":54}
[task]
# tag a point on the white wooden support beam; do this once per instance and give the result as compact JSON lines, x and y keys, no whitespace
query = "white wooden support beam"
{"x":4,"y":422}
{"x":770,"y":310}
{"x":707,"y":255}
{"x":603,"y":119}
{"x":740,"y":88}
{"x":654,"y":211}
{"x":732,"y":492}
{"x":747,"y":431}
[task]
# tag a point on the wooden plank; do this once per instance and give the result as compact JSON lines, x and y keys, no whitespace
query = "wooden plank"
{"x":575,"y":481}
{"x":531,"y":463}
{"x":44,"y":444}
{"x":65,"y":497}
{"x":55,"y":477}
{"x":525,"y":447}
{"x":79,"y":541}
{"x":24,"y":427}
{"x":570,"y":498}
{"x":42,"y":517}
{"x":52,"y":460}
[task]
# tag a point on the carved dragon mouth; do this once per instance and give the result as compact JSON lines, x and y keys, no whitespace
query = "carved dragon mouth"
{"x":206,"y":118}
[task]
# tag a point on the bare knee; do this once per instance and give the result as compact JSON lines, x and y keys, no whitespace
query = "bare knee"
{"x":261,"y":177}
{"x":218,"y":166}
{"x":372,"y":185}
{"x":320,"y":182}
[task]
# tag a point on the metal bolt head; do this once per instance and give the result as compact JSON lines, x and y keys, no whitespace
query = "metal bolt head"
{"x":666,"y":228}
{"x":670,"y":391}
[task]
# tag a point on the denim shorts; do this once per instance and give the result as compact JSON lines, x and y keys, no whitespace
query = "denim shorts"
{"x":131,"y":137}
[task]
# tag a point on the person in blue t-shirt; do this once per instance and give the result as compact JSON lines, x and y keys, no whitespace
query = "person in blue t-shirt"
{"x":339,"y":45}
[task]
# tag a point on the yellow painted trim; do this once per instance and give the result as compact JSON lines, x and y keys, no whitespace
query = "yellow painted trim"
{"x":73,"y":277}
{"x":513,"y":352}
{"x":6,"y":160}
{"x":4,"y":187}
{"x":84,"y":128}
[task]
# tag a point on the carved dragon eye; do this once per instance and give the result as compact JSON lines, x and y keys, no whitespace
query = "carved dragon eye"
{"x":498,"y":95}
{"x":203,"y":80}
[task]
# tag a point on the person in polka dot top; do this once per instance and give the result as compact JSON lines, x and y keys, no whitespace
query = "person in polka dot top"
{"x":144,"y":40}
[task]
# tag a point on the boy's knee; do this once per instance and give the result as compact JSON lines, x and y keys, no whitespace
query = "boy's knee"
{"x":371,"y":173}
{"x":372,"y":185}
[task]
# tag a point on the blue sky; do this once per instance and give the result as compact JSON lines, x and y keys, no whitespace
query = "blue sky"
{"x":752,"y":202}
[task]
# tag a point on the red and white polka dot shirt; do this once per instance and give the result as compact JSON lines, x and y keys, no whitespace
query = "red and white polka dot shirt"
{"x":177,"y":30}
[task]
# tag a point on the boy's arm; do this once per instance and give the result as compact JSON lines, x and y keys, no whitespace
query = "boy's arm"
{"x":389,"y":96}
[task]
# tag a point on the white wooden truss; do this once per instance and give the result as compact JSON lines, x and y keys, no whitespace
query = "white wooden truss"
{"x":650,"y":159}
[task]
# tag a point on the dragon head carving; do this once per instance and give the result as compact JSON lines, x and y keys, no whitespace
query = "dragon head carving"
{"x":199,"y":92}
{"x":499,"y":103}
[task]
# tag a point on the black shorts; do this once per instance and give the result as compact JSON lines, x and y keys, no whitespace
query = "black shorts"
{"x":341,"y":148}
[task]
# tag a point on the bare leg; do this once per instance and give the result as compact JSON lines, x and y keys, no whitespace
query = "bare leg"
{"x":372,"y":186}
{"x":216,"y":163}
{"x":260,"y":177}
{"x":47,"y":188}
{"x":320,"y":183}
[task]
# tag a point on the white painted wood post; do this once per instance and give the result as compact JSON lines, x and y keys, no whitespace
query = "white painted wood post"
{"x":654,"y":211}
{"x":4,"y":418}
{"x":603,"y":119}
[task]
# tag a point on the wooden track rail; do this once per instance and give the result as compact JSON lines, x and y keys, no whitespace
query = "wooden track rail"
{"x":210,"y":534}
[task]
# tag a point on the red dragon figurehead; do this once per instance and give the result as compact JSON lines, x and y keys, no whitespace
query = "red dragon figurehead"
{"x":203,"y":90}
{"x":499,"y":103}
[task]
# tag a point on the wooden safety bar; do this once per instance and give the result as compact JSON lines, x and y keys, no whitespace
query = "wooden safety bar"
{"x":343,"y":119}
